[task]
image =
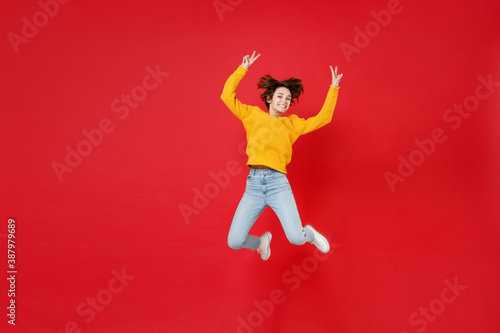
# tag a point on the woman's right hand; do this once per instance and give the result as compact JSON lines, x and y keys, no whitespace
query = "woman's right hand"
{"x":248,"y":61}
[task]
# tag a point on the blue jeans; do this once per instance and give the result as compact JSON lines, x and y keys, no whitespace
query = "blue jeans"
{"x":266,"y":187}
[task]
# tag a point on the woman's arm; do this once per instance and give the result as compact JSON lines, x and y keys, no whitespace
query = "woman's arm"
{"x":304,"y":126}
{"x":229,"y":93}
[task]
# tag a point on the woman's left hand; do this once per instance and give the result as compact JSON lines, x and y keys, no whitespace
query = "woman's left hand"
{"x":335,"y":77}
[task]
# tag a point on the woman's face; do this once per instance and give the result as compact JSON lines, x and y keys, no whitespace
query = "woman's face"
{"x":281,"y":100}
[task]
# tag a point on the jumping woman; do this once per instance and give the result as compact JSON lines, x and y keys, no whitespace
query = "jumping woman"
{"x":270,"y":137}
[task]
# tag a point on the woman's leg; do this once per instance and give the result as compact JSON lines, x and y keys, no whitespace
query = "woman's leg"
{"x":250,"y":207}
{"x":282,"y":201}
{"x":280,"y":198}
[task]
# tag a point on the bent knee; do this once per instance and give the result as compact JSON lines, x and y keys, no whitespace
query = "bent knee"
{"x":296,"y":239}
{"x":234,"y":243}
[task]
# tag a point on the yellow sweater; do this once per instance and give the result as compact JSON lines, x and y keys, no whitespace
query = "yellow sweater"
{"x":270,"y":139}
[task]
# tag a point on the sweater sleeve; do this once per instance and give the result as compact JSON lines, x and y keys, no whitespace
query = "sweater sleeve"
{"x":304,"y":126}
{"x":228,"y":96}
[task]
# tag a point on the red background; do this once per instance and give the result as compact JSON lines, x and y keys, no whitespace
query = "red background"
{"x":120,"y":208}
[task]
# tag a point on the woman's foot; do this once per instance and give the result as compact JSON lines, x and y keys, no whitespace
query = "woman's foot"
{"x":265,"y":245}
{"x":319,"y":240}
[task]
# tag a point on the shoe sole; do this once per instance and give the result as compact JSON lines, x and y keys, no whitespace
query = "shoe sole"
{"x":268,"y":234}
{"x":321,"y":236}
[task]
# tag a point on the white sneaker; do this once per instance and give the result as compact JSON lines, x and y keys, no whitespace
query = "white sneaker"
{"x":265,"y":245}
{"x":319,"y":240}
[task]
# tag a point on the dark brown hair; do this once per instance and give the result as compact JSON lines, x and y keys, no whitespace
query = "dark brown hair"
{"x":270,"y":85}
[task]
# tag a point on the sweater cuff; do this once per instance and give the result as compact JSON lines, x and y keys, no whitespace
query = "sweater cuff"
{"x":241,"y":70}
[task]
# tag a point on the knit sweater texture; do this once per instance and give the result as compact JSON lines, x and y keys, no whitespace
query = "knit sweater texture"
{"x":270,"y":139}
